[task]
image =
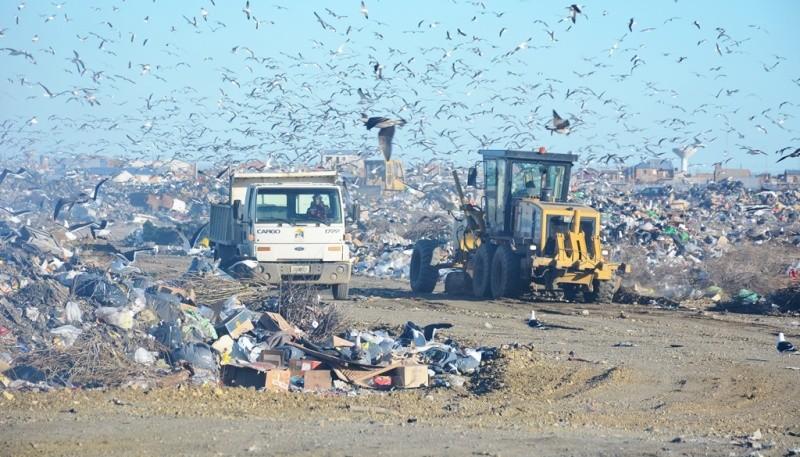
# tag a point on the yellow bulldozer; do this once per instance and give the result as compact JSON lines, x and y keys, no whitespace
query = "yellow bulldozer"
{"x":524,"y":237}
{"x":385,"y":175}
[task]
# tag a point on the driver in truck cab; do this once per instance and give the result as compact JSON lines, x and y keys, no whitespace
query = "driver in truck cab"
{"x":318,"y":209}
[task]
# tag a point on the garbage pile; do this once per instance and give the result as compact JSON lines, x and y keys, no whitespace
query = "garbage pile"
{"x":679,"y":239}
{"x":75,"y":325}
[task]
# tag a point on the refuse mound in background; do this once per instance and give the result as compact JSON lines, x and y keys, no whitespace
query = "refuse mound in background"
{"x":628,"y":296}
{"x":787,"y":299}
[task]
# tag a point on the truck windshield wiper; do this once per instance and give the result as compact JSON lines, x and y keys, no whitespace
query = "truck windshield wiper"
{"x":279,"y":219}
{"x":320,"y":220}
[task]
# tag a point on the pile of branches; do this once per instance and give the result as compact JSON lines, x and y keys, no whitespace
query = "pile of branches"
{"x":300,"y":304}
{"x":98,"y":358}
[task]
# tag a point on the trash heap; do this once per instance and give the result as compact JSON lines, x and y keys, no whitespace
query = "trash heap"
{"x":687,"y":242}
{"x":74,"y":325}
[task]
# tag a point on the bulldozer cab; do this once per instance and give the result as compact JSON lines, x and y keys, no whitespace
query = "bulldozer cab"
{"x":387,"y":175}
{"x":514,"y":175}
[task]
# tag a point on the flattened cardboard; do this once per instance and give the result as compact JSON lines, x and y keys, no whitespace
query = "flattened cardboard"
{"x":274,"y":322}
{"x":317,"y":380}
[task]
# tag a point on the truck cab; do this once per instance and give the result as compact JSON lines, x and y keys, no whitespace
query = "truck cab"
{"x":291,"y":223}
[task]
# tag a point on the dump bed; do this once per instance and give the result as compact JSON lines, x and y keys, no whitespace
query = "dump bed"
{"x":241,"y":181}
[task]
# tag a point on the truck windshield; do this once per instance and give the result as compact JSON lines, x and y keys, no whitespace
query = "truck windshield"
{"x":298,"y":205}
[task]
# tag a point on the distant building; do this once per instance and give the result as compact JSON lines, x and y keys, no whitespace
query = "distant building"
{"x":343,"y":161}
{"x":652,"y":171}
{"x":791,"y":177}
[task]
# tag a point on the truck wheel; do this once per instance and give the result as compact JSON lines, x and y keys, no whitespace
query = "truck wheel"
{"x":482,"y":270}
{"x":457,"y":283}
{"x":505,"y":279}
{"x":340,"y":291}
{"x":423,"y":275}
{"x":603,"y":292}
{"x":225,"y":254}
{"x":572,"y":292}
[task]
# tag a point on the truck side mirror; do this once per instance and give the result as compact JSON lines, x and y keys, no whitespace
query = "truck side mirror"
{"x":237,"y":207}
{"x":472,"y":176}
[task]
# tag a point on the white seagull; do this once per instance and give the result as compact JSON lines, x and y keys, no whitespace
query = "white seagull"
{"x":785,"y":347}
{"x":533,"y":322}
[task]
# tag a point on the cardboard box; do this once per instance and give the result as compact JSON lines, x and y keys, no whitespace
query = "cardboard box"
{"x":317,"y":380}
{"x":410,"y":376}
{"x":274,"y":322}
{"x":299,"y":366}
{"x":272,"y":356}
{"x":256,"y":375}
{"x":236,"y":324}
{"x":336,"y":342}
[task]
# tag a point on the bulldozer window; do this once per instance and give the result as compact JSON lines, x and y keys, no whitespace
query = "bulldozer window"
{"x":588,"y":227}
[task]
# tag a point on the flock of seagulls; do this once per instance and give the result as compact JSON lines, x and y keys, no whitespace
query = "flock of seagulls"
{"x":125,"y":81}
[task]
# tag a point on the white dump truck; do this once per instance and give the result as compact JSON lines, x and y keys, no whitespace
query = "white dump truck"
{"x":293,"y":224}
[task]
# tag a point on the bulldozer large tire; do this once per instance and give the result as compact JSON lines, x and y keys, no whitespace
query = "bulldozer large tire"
{"x":422,"y":274}
{"x":505,"y":279}
{"x":458,"y":283}
{"x":482,"y":270}
{"x":603,"y":292}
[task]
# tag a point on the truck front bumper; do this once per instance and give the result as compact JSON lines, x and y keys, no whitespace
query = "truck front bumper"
{"x":306,"y":273}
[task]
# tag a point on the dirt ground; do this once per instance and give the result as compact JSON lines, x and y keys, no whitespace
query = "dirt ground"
{"x":641,"y":381}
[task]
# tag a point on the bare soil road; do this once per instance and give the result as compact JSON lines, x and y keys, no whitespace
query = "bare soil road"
{"x":641,"y":381}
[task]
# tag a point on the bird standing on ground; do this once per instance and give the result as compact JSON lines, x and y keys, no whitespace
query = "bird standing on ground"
{"x":785,"y":347}
{"x":386,"y":132}
{"x":534,"y":322}
{"x":559,"y":125}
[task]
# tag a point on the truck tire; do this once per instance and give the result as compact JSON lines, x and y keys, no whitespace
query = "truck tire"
{"x":505,"y":278}
{"x":225,"y":254}
{"x":423,"y":276}
{"x":457,"y":283}
{"x":603,"y":292}
{"x":482,"y":270}
{"x":340,"y":291}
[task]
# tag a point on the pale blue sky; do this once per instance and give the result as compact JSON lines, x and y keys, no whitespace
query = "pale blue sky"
{"x":228,"y":88}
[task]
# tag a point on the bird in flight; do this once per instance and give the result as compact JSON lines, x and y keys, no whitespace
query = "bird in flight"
{"x":796,"y":153}
{"x":7,"y":172}
{"x":77,"y":200}
{"x":559,"y":125}
{"x":385,"y":133}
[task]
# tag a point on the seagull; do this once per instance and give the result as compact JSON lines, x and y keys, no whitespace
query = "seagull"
{"x":7,"y":172}
{"x":796,"y":153}
{"x":189,"y":245}
{"x":99,"y":230}
{"x":385,"y":133}
{"x":129,"y":257}
{"x":429,"y":331}
{"x":533,"y":322}
{"x":785,"y":347}
{"x":365,"y":97}
{"x":364,"y":11}
{"x":559,"y":125}
{"x":574,"y":11}
{"x":79,"y":200}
